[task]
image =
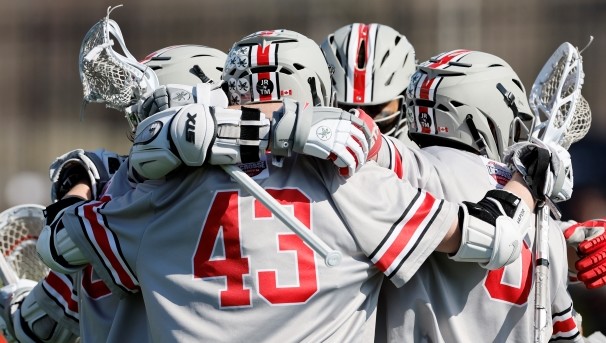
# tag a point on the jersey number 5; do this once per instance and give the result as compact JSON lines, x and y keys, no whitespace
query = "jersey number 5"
{"x":223,"y":217}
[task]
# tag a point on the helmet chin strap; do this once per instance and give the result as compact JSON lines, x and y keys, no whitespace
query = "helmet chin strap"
{"x":510,"y":99}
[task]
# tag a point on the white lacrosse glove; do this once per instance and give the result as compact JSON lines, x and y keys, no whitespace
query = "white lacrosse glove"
{"x":547,"y":169}
{"x":589,"y":238}
{"x":96,"y":167}
{"x":349,"y":139}
{"x":493,"y":229}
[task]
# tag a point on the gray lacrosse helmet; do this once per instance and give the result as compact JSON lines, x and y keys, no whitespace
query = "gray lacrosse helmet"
{"x":275,"y":64}
{"x":370,"y":64}
{"x":186,"y":64}
{"x":468,"y":100}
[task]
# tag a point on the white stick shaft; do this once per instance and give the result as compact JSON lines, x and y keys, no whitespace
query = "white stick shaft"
{"x":331,"y":257}
{"x":7,"y":273}
{"x":541,"y":275}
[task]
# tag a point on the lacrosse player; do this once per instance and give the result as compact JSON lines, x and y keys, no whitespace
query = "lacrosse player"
{"x":229,"y":262}
{"x":370,"y":66}
{"x":52,"y":311}
{"x":466,"y":108}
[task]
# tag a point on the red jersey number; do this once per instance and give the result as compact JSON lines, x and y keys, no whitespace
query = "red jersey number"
{"x":499,"y":290}
{"x":223,"y":217}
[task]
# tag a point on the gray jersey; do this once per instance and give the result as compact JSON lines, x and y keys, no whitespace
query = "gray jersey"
{"x":213,"y":264}
{"x":449,"y":301}
{"x":86,"y":305}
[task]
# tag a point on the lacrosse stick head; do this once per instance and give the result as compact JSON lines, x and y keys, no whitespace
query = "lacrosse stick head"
{"x":20,"y":227}
{"x":114,"y":78}
{"x":563,"y":115}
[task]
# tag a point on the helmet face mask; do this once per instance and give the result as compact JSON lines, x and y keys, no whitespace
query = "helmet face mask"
{"x":371,"y":65}
{"x":387,"y":115}
{"x":469,"y":100}
{"x":271,"y":65}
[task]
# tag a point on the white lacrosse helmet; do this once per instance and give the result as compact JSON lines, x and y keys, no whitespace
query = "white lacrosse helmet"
{"x":186,"y":64}
{"x":370,"y":64}
{"x":468,"y":100}
{"x":271,"y":65}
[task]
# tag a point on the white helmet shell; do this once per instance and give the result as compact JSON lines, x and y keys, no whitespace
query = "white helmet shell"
{"x":276,"y":64}
{"x":469,"y":100}
{"x":186,"y":64}
{"x":370,"y":63}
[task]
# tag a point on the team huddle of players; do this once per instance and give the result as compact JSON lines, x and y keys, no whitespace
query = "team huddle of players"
{"x":408,"y":169}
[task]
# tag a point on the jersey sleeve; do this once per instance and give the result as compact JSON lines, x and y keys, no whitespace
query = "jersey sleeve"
{"x":56,"y":296}
{"x":396,"y":225}
{"x":95,"y":226}
{"x":415,"y":166}
{"x":564,"y":326}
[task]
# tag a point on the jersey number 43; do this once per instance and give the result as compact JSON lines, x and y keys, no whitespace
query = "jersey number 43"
{"x":223,"y":217}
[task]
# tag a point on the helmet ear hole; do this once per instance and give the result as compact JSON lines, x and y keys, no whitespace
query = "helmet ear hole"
{"x":361,"y":64}
{"x":518,"y":83}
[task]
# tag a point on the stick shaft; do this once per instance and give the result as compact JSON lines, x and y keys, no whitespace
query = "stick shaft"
{"x":541,"y":274}
{"x":331,"y":257}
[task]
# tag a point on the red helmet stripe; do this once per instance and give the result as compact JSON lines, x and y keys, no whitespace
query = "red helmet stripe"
{"x":444,"y":59}
{"x":359,"y":76}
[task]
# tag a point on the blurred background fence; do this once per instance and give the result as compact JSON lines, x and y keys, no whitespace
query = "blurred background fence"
{"x":40,"y":91}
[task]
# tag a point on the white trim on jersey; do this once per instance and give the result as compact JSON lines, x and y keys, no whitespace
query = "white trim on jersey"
{"x":405,"y":235}
{"x":564,"y":326}
{"x":395,"y":158}
{"x":59,"y":287}
{"x":104,"y":242}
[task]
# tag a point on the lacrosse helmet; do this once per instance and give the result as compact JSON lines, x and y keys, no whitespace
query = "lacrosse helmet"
{"x":271,"y":65}
{"x":186,"y":64}
{"x":371,"y":65}
{"x":468,"y":100}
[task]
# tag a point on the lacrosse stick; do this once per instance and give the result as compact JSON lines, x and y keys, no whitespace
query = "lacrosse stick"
{"x":19,"y":230}
{"x":119,"y":81}
{"x":563,"y":117}
{"x":109,"y":77}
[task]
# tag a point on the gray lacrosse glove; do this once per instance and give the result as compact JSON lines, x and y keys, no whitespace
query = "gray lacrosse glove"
{"x":164,"y":98}
{"x":164,"y":141}
{"x":546,"y":168}
{"x":95,"y":167}
{"x":25,"y":320}
{"x":11,"y":297}
{"x":175,"y":95}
